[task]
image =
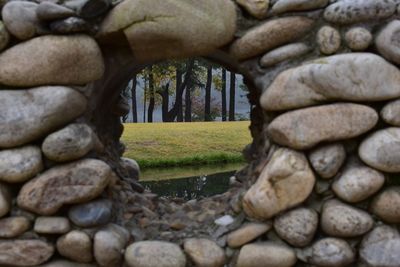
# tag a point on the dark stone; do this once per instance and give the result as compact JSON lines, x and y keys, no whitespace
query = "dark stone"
{"x":91,"y":214}
{"x":70,"y":25}
{"x":88,"y":8}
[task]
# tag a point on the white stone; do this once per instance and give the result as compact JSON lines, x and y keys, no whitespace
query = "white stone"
{"x":387,"y":41}
{"x":391,"y":113}
{"x":51,"y":225}
{"x":330,"y":252}
{"x":327,"y":159}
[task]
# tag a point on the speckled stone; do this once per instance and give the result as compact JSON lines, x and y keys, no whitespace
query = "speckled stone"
{"x":328,"y":40}
{"x":358,"y":38}
{"x":327,"y":159}
{"x":332,"y":252}
{"x":387,"y":205}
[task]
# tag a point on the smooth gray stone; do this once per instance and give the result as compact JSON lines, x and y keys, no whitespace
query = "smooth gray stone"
{"x":91,"y":214}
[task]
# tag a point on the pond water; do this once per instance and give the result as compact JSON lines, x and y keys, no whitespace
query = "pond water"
{"x":189,"y":182}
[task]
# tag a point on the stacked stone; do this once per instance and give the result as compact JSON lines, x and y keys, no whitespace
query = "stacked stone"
{"x":326,"y":155}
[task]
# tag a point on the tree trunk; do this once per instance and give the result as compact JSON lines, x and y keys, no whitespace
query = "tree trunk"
{"x":232,"y":97}
{"x":151,"y":96}
{"x":133,"y":95}
{"x":223,"y":95}
{"x":178,"y":95}
{"x":144,"y":98}
{"x":164,"y":93}
{"x":188,"y":103}
{"x":207,"y":105}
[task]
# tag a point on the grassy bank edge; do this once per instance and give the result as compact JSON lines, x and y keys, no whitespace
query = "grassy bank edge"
{"x":196,"y":160}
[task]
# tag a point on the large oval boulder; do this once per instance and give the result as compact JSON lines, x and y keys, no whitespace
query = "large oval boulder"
{"x":157,"y":29}
{"x":381,"y":150}
{"x":20,"y":164}
{"x":340,"y":77}
{"x":72,"y":183}
{"x":52,"y":60}
{"x":305,"y":128}
{"x":24,"y":252}
{"x":353,"y":11}
{"x":286,"y":181}
{"x":269,"y":35}
{"x":29,"y":114}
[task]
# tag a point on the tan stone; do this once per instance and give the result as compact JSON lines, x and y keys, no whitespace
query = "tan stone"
{"x":357,"y":183}
{"x":24,"y":252}
{"x":51,"y":225}
{"x":387,"y":205}
{"x":282,"y":6}
{"x":154,"y":253}
{"x":390,"y":113}
{"x":269,"y":35}
{"x":328,"y":40}
{"x":305,"y":128}
{"x":4,"y":36}
{"x":247,"y":233}
{"x":20,"y":164}
{"x":52,"y":60}
{"x":71,"y":183}
{"x":286,"y":181}
{"x":380,"y":150}
{"x":354,"y":11}
{"x":342,"y":220}
{"x":158,"y":29}
{"x":13,"y":226}
{"x":109,"y":245}
{"x":257,"y":8}
{"x":70,"y":143}
{"x":358,"y":38}
{"x":340,"y":77}
{"x":65,"y":263}
{"x":297,"y":227}
{"x":204,"y":252}
{"x":266,"y":254}
{"x":283,"y":53}
{"x":28,"y":115}
{"x":76,"y":246}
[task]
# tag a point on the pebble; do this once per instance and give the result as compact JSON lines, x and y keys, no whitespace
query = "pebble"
{"x":70,"y":143}
{"x":390,"y":113}
{"x":247,"y":233}
{"x":154,"y":253}
{"x":387,"y":41}
{"x":381,"y":150}
{"x":286,"y":181}
{"x":328,"y":40}
{"x":341,"y":220}
{"x":297,"y":227}
{"x":354,"y":11}
{"x":332,"y":252}
{"x":358,"y":38}
{"x":75,"y":245}
{"x":270,"y":35}
{"x":91,"y":214}
{"x":387,"y":205}
{"x":327,"y":159}
{"x":24,"y":109}
{"x":224,"y":220}
{"x":381,"y":247}
{"x":204,"y":252}
{"x":20,"y":164}
{"x":305,"y":128}
{"x":12,"y":227}
{"x":109,"y":245}
{"x":266,"y":254}
{"x":52,"y":225}
{"x":282,"y":6}
{"x":357,"y":182}
{"x":71,"y":183}
{"x":284,"y":53}
{"x":24,"y":252}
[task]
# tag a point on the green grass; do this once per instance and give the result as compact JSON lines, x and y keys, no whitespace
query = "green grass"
{"x":177,"y":144}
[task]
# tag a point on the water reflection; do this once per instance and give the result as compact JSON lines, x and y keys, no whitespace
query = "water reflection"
{"x":192,"y":187}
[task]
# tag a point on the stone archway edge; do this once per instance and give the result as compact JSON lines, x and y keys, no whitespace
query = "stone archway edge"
{"x":324,"y":85}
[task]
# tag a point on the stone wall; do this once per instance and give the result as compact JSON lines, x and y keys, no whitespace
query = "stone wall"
{"x":321,"y":185}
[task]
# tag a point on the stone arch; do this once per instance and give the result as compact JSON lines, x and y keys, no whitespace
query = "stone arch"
{"x":324,"y":84}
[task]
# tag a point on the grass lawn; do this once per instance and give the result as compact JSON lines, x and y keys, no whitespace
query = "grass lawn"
{"x":176,"y":144}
